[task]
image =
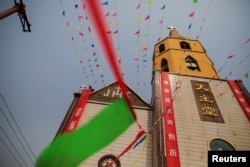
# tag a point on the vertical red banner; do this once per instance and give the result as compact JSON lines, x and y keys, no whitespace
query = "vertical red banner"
{"x":78,"y":110}
{"x":241,"y":99}
{"x":170,"y":137}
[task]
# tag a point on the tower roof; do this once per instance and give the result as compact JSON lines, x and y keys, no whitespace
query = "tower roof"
{"x":175,"y":34}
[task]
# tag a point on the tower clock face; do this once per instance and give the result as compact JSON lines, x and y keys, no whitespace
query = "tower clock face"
{"x":220,"y":145}
{"x":107,"y":160}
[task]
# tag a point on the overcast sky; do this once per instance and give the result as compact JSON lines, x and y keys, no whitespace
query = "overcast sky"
{"x":40,"y":71}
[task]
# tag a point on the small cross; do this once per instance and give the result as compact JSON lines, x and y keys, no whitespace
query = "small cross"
{"x":171,"y":27}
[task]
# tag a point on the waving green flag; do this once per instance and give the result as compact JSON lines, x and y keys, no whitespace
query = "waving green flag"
{"x":71,"y":149}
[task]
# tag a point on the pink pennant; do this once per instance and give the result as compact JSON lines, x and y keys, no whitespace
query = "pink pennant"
{"x":80,"y":33}
{"x":161,"y":21}
{"x":146,"y":48}
{"x":80,"y":17}
{"x":115,"y":32}
{"x":114,"y":14}
{"x":191,"y":14}
{"x":136,"y":59}
{"x":107,"y":14}
{"x":231,"y":56}
{"x":138,"y":6}
{"x":137,"y":32}
{"x":147,"y":17}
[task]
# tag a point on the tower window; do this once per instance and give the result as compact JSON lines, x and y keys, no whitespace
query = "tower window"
{"x":161,"y":48}
{"x":192,"y":64}
{"x":164,"y":65}
{"x":185,"y":45}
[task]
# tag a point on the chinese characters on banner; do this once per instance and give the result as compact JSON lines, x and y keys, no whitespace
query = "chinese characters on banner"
{"x":241,"y":99}
{"x":206,"y":104}
{"x":170,"y":137}
{"x":78,"y":111}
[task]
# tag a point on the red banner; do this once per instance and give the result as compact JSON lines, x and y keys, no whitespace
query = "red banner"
{"x":78,"y":110}
{"x":170,"y":137}
{"x":241,"y":99}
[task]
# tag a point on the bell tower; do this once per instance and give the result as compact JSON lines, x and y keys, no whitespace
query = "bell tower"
{"x":195,"y":111}
{"x":180,"y":55}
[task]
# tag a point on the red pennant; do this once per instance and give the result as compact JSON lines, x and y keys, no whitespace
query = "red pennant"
{"x":191,"y":14}
{"x":231,"y":56}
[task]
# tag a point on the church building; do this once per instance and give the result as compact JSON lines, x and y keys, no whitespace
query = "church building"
{"x":191,"y":112}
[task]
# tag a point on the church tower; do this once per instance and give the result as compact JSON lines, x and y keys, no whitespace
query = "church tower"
{"x":177,"y":54}
{"x":197,"y":111}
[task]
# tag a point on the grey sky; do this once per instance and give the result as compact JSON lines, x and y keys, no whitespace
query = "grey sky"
{"x":39,"y":71}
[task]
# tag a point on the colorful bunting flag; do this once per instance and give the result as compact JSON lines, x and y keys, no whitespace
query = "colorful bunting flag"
{"x":138,"y":6}
{"x":231,"y":56}
{"x":137,"y":32}
{"x":246,"y":75}
{"x":105,"y":3}
{"x":195,"y":1}
{"x":147,"y":17}
{"x":190,"y":25}
{"x":163,"y":7}
{"x":191,"y":14}
{"x":88,"y":139}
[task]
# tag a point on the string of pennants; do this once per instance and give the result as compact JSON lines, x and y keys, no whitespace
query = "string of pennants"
{"x":85,"y":51}
{"x":88,"y":58}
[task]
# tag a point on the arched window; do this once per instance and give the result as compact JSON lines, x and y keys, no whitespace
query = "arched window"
{"x":164,"y":65}
{"x":218,"y":144}
{"x":192,"y":64}
{"x":185,"y":45}
{"x":161,"y":48}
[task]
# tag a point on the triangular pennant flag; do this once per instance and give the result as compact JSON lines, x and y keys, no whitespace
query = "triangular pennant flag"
{"x":195,"y":1}
{"x":246,"y":75}
{"x":137,"y":19}
{"x":114,"y":14}
{"x":231,"y":56}
{"x":147,"y":17}
{"x":76,"y":6}
{"x":105,"y":3}
{"x":148,"y":2}
{"x":115,"y":32}
{"x":107,"y":14}
{"x":138,"y":6}
{"x":190,"y":25}
{"x":138,"y":32}
{"x":79,"y":17}
{"x":191,"y":14}
{"x":161,"y":21}
{"x":163,"y":7}
{"x":115,"y":119}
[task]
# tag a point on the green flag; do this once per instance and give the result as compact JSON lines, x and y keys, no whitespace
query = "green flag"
{"x":195,"y":1}
{"x":71,"y":149}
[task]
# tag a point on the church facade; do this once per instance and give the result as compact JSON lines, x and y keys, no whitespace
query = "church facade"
{"x":192,"y":111}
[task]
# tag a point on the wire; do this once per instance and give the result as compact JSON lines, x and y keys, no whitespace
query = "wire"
{"x":5,"y":134}
{"x":10,"y":151}
{"x":18,"y":130}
